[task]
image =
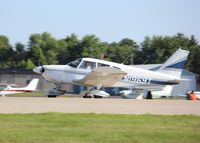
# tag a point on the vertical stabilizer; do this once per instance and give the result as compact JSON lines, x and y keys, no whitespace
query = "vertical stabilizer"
{"x":32,"y":84}
{"x":175,"y":64}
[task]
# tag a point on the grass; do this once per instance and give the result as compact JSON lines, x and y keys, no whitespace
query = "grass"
{"x":98,"y":128}
{"x":28,"y":94}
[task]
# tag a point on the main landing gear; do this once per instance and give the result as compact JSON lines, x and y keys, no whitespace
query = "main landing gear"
{"x":94,"y":94}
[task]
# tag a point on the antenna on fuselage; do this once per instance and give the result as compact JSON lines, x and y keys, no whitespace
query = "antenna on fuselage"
{"x":131,"y":55}
{"x":148,"y":57}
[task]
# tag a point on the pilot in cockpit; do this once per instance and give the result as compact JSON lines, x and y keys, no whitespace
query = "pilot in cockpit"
{"x":88,"y":65}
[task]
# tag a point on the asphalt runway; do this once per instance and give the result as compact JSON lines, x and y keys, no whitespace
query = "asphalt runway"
{"x":105,"y":105}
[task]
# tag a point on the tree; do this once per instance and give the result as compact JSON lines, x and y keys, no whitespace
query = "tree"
{"x":38,"y":56}
{"x":49,"y":47}
{"x":160,"y":48}
{"x":91,"y":46}
{"x":43,"y":48}
{"x":118,"y":52}
{"x":21,"y":64}
{"x":29,"y":64}
{"x":5,"y":52}
{"x":195,"y":60}
{"x":129,"y":43}
{"x":69,"y":49}
{"x":51,"y":54}
{"x":19,"y":55}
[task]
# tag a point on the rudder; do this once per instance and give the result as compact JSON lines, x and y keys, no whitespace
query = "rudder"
{"x":175,"y":64}
{"x":32,"y":84}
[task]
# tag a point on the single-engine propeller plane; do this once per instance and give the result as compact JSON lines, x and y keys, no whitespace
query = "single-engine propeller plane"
{"x":13,"y":90}
{"x":99,"y":73}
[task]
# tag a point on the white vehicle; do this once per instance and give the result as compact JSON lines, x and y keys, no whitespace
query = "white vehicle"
{"x":99,"y":73}
{"x":29,"y":88}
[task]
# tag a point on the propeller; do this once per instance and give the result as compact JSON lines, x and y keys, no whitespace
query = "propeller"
{"x":42,"y":70}
{"x":39,"y":70}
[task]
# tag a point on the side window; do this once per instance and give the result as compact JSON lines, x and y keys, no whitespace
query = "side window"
{"x":88,"y":65}
{"x":102,"y":65}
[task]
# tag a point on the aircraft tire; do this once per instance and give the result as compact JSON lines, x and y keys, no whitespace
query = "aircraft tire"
{"x":97,"y":96}
{"x":51,"y":96}
{"x":87,"y":96}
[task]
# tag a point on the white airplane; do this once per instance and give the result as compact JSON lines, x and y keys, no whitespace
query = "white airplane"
{"x":29,"y":88}
{"x":99,"y":73}
{"x":154,"y":93}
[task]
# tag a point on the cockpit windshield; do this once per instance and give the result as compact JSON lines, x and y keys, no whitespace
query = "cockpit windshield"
{"x":74,"y":63}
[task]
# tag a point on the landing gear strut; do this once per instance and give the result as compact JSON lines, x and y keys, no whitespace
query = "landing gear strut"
{"x":55,"y":91}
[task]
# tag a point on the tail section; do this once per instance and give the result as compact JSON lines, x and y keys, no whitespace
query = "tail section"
{"x":175,"y":64}
{"x":32,"y":84}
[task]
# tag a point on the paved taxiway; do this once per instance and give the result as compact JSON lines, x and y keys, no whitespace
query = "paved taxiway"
{"x":106,"y":105}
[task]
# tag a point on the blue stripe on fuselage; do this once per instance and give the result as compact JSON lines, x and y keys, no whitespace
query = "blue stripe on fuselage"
{"x":163,"y":82}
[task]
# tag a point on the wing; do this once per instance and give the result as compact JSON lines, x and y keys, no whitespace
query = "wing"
{"x":105,"y":76}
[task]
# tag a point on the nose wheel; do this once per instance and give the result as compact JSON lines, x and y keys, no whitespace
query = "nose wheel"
{"x":55,"y":91}
{"x":87,"y":95}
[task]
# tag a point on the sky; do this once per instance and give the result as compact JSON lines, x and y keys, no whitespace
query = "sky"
{"x":110,"y":20}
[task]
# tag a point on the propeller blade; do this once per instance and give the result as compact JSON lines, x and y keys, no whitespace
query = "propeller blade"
{"x":42,"y":69}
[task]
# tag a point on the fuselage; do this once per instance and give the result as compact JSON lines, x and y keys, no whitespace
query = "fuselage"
{"x":76,"y":70}
{"x":13,"y":91}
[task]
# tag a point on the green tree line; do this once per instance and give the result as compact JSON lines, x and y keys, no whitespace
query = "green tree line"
{"x":45,"y":49}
